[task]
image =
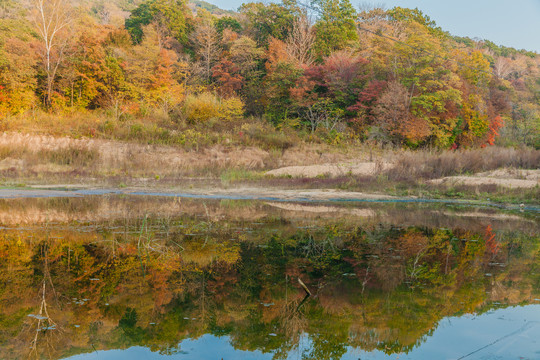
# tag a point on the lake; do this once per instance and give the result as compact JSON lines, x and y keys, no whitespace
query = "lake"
{"x":152,"y":277}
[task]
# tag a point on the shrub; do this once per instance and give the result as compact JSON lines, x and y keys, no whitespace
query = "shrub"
{"x":201,"y":107}
{"x":206,"y":106}
{"x":232,"y":108}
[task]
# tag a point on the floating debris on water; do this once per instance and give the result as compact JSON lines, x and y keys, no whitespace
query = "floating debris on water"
{"x":39,"y":317}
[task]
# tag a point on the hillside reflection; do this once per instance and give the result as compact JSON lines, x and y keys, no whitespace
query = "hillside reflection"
{"x":80,"y":275}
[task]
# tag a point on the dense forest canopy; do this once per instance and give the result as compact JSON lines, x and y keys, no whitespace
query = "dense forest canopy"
{"x":391,"y":76}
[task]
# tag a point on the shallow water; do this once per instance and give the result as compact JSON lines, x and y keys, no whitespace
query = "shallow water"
{"x":124,"y":277}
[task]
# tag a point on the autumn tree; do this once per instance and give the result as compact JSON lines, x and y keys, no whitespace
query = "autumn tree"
{"x":83,"y":71}
{"x":420,"y":65}
{"x":340,"y":77}
{"x":206,"y":43}
{"x":392,"y":113}
{"x":476,"y":76}
{"x":115,"y":89}
{"x":247,"y":56}
{"x":401,"y":14}
{"x":150,"y":72}
{"x":301,"y":40}
{"x":502,"y":67}
{"x":166,"y":91}
{"x":51,"y":20}
{"x":18,"y":64}
{"x":227,"y":75}
{"x":281,"y":76}
{"x":364,"y":109}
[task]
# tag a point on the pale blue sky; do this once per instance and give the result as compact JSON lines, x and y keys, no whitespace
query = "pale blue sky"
{"x":514,"y":23}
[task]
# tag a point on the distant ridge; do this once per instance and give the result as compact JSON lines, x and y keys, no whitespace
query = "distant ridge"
{"x":211,"y":8}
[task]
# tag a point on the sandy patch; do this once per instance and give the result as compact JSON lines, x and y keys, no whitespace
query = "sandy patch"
{"x":512,"y":174}
{"x":332,"y":170}
{"x":323,"y":209}
{"x":506,"y":177}
{"x":477,"y":215}
{"x":291,"y":195}
{"x":484,"y":180}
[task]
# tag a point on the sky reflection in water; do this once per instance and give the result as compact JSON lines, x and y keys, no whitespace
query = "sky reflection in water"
{"x":512,"y":333}
{"x":148,"y":278}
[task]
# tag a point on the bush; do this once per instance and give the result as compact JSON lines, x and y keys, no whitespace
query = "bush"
{"x":232,"y":108}
{"x":201,"y":107}
{"x":205,"y":106}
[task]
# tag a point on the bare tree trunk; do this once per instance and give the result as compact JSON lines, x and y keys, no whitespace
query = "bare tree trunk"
{"x":51,"y":19}
{"x":206,"y":41}
{"x":300,"y":41}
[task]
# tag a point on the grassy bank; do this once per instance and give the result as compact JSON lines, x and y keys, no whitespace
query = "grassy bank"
{"x":30,"y":159}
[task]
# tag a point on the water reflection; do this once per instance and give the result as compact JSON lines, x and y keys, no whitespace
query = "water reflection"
{"x":454,"y":338}
{"x":149,"y":277}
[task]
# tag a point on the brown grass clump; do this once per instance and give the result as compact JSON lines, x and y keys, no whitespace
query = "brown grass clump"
{"x":410,"y":166}
{"x":32,"y":150}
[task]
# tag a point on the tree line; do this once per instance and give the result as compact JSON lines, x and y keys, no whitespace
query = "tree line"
{"x":391,"y":76}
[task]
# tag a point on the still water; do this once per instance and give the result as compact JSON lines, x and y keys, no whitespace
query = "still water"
{"x":134,"y":277}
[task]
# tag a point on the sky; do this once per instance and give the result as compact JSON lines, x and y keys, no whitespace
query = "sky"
{"x":513,"y":23}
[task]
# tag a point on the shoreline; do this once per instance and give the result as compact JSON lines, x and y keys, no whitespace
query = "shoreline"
{"x":252,"y":193}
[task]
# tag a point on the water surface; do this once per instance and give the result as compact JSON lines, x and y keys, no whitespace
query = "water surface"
{"x":123,"y":277}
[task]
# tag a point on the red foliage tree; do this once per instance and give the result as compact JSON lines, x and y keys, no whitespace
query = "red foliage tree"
{"x":494,"y":127}
{"x":227,"y":75}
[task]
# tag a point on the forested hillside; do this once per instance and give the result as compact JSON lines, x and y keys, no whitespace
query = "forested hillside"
{"x":328,"y":71}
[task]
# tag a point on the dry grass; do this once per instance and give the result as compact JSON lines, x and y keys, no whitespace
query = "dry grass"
{"x":23,"y":151}
{"x":412,"y":166}
{"x":154,"y":128}
{"x":156,"y":149}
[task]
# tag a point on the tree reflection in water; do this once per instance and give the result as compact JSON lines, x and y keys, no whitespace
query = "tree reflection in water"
{"x":154,"y":279}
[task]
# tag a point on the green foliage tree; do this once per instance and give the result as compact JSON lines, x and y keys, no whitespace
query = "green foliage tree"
{"x":336,"y":26}
{"x":171,"y":17}
{"x":227,"y":22}
{"x":270,"y":20}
